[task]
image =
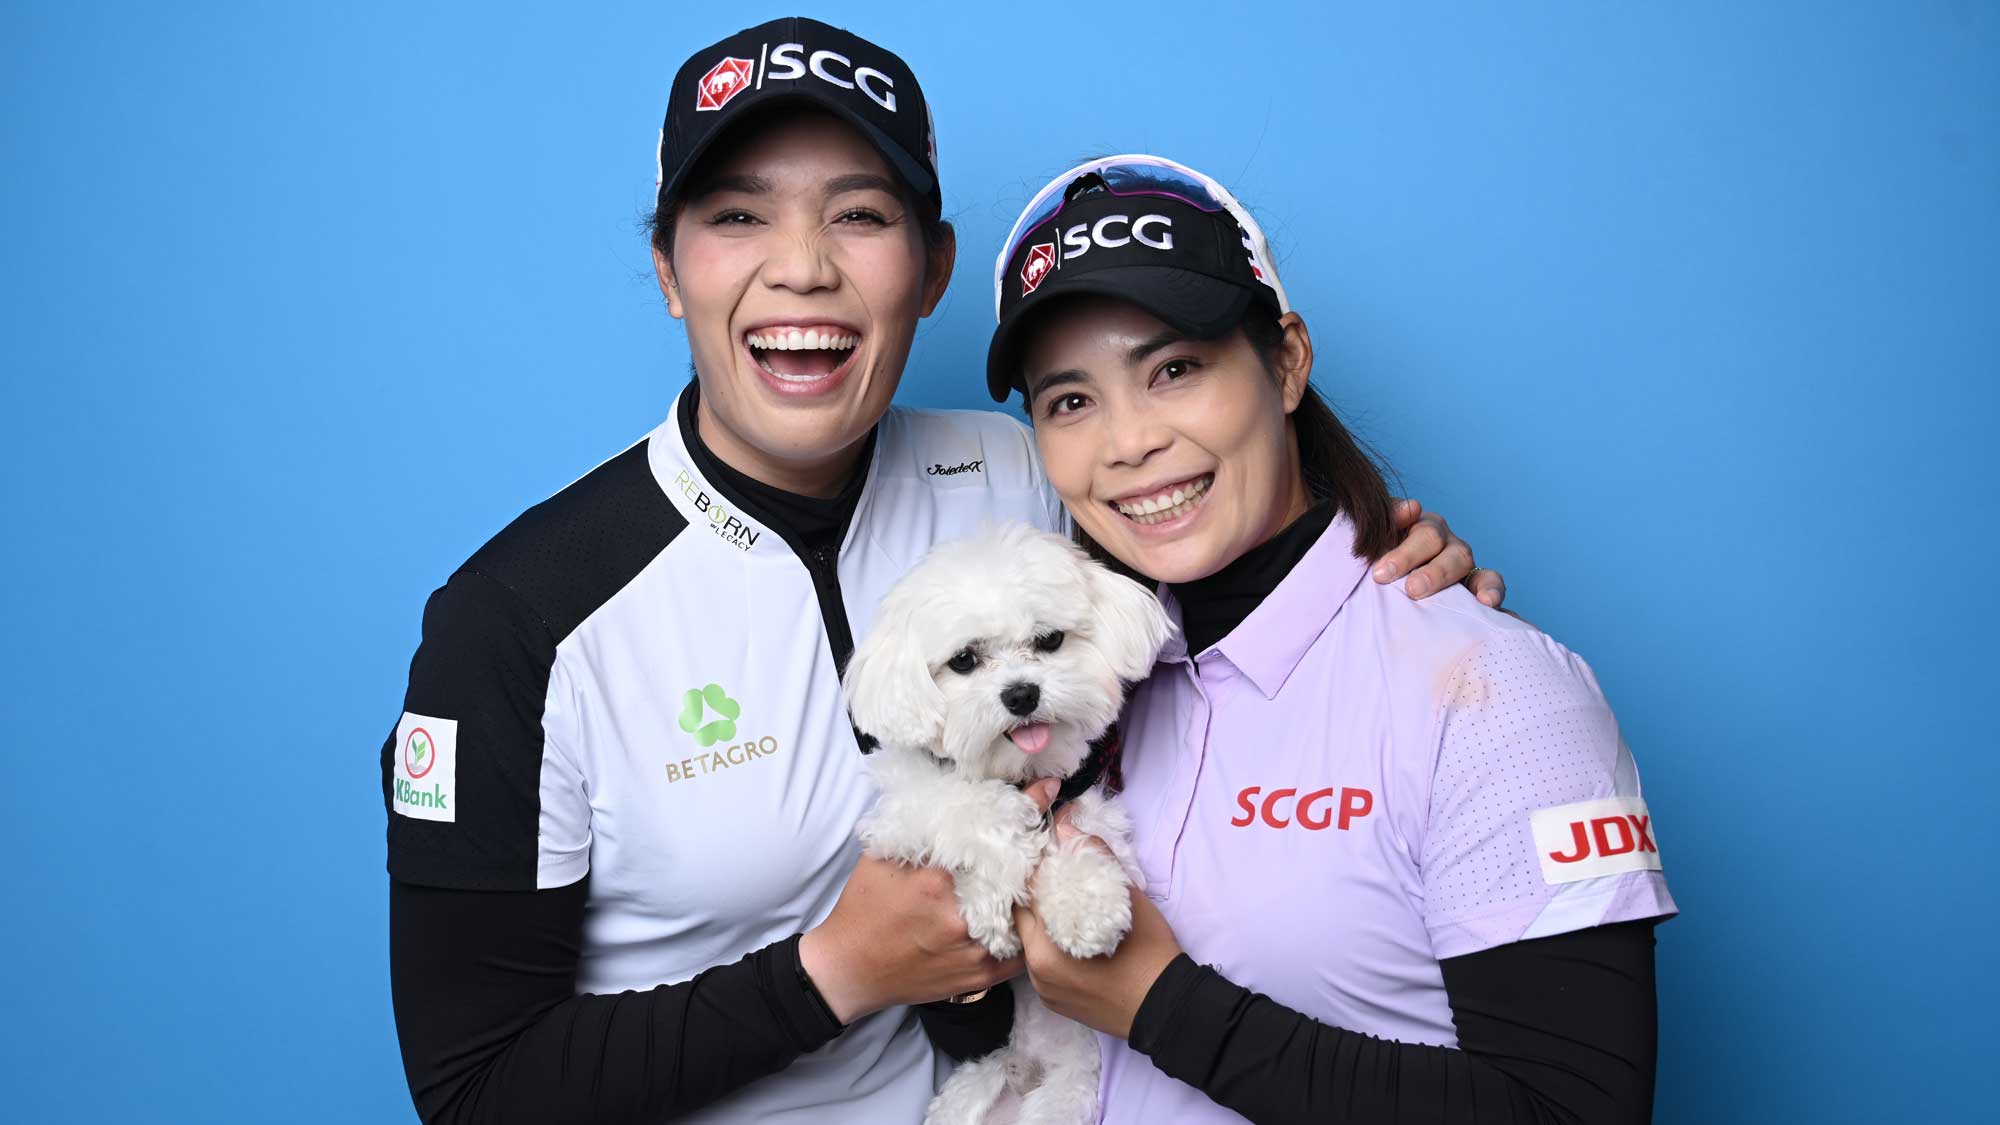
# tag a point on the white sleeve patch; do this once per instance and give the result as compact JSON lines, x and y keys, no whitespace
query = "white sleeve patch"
{"x":426,"y":778}
{"x":1610,"y":836}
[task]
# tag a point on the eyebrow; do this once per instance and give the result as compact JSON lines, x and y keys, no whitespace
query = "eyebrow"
{"x":743,"y":184}
{"x":1054,"y":379}
{"x":1147,"y":347}
{"x":860,"y":181}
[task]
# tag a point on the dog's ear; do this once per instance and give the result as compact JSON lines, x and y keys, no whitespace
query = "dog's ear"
{"x":1131,"y":625}
{"x":890,"y":693}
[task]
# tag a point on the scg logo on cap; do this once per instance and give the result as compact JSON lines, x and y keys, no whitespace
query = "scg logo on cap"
{"x":732,"y":75}
{"x":723,"y":81}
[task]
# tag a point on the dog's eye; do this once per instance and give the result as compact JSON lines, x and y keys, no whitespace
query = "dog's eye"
{"x":1050,"y":641}
{"x":962,"y":661}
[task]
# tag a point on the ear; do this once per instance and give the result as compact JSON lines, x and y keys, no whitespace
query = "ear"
{"x":1131,"y":625}
{"x":663,"y":268}
{"x":890,"y":693}
{"x":1294,"y":360}
{"x":938,"y":263}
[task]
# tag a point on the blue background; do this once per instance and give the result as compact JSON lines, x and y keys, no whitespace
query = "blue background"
{"x":1685,"y":314}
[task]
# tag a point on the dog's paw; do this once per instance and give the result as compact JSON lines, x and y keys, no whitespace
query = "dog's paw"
{"x":1083,"y":900}
{"x":989,"y":916}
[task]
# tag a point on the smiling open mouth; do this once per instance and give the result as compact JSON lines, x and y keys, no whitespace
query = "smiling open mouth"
{"x":801,"y":355}
{"x":1161,"y":505}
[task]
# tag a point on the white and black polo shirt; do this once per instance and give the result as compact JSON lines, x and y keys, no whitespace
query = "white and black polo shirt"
{"x":638,"y":680}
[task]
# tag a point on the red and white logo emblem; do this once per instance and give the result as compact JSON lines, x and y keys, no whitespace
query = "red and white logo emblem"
{"x":723,"y":81}
{"x":1041,"y":259}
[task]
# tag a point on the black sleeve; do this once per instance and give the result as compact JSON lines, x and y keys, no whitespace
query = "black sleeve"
{"x":492,"y":1030}
{"x":1556,"y":1029}
{"x":967,"y":1031}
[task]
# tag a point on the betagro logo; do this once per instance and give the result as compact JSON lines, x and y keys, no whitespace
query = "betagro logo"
{"x":696,"y":705}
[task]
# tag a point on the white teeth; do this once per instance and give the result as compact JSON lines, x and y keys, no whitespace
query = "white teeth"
{"x":793,"y":340}
{"x":1167,"y":505}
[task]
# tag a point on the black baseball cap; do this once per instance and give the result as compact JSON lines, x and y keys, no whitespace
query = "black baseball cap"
{"x":798,"y":59}
{"x":1139,"y":228}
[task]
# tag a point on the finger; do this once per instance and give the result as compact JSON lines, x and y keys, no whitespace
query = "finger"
{"x":1404,"y":513}
{"x":1451,"y":565}
{"x":1009,"y":969}
{"x":1419,"y":546}
{"x":1487,"y":586}
{"x":1043,"y":792}
{"x":1027,"y":925}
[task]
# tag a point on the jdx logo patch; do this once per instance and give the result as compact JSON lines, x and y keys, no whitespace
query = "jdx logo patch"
{"x":1610,"y":836}
{"x":425,"y":782}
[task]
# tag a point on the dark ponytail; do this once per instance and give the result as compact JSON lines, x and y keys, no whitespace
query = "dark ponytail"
{"x":1336,"y":465}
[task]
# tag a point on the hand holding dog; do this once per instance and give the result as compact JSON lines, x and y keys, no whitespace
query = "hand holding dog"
{"x":1099,"y":992}
{"x":896,"y":937}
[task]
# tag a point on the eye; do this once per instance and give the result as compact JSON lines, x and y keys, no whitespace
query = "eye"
{"x":1050,"y":641}
{"x":732,"y":218}
{"x":1066,"y":404}
{"x":863,"y":216}
{"x":1175,"y":369}
{"x":963,"y":661}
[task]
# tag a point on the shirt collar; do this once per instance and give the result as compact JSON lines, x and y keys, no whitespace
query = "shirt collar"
{"x":1268,"y":645}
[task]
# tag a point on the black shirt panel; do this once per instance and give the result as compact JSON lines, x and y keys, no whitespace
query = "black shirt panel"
{"x":1554,"y":1029}
{"x":493,"y":1032}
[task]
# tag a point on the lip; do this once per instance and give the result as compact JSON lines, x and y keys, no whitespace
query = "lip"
{"x":801,"y":388}
{"x":1163,"y":486}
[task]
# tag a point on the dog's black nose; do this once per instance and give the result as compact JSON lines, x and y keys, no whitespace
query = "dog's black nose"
{"x":1022,"y":699}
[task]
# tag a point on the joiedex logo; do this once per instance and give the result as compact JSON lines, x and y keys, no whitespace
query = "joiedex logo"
{"x":425,"y":781}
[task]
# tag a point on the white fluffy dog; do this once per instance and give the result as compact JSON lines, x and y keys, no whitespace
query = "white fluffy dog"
{"x":993,"y":663}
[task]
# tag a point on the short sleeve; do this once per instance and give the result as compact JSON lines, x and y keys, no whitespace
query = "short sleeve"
{"x":477,"y":797}
{"x":1536,"y":824}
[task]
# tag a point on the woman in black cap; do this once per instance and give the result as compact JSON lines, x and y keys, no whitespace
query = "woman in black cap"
{"x":622,"y":793}
{"x":1397,"y":865}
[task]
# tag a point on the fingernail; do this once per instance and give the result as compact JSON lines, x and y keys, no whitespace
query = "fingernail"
{"x":1417,"y":586}
{"x":1383,"y":572}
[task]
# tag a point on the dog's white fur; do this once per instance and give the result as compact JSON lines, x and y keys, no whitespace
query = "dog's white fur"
{"x":949,"y":775}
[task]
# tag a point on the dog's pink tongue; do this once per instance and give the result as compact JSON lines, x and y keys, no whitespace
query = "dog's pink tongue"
{"x":1032,"y":738}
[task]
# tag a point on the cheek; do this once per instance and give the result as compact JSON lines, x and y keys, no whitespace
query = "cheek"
{"x":1065,"y":453}
{"x":887,"y":272}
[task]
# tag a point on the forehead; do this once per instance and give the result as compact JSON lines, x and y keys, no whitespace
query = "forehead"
{"x":1083,"y":330}
{"x":791,"y":147}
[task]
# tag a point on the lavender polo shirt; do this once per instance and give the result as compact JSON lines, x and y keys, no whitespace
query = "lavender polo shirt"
{"x":1352,"y":786}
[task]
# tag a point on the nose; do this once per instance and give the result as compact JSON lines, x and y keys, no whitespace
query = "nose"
{"x":1131,"y":435}
{"x":800,"y":263}
{"x":1021,"y":699}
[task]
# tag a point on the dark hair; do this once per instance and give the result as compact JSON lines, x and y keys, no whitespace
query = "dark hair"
{"x":659,"y":222}
{"x":1337,"y":466}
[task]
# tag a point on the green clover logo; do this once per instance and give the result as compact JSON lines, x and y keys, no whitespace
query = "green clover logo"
{"x":419,"y":747}
{"x":708,"y":734}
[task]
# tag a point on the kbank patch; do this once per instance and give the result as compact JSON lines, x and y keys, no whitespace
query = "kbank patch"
{"x":425,"y":784}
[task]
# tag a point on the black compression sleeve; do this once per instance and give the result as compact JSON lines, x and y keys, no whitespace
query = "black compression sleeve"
{"x":1557,"y":1029}
{"x":492,"y":1030}
{"x":967,"y":1031}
